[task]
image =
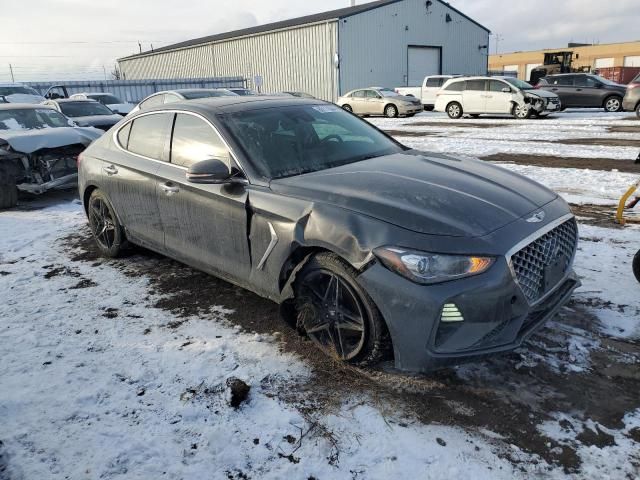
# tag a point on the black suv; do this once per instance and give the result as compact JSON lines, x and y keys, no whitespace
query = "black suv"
{"x":583,"y":90}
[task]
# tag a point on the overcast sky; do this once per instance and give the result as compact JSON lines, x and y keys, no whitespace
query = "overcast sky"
{"x":77,"y":39}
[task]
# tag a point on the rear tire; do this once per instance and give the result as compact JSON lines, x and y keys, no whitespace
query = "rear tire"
{"x":454,"y":110}
{"x":8,"y":189}
{"x":105,"y":226}
{"x":347,"y":108}
{"x":636,"y":266}
{"x":391,"y":111}
{"x":638,"y":110}
{"x":337,"y":314}
{"x":613,"y":104}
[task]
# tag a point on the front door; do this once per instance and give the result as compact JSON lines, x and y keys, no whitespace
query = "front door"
{"x":204,"y":225}
{"x":131,"y":176}
{"x":497,"y":100}
{"x":587,"y":91}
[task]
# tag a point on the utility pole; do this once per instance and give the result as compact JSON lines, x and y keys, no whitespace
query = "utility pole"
{"x":498,"y":39}
{"x":104,"y":69}
{"x":13,"y":80}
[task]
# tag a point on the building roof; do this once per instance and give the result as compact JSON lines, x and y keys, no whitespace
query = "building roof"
{"x":293,"y":22}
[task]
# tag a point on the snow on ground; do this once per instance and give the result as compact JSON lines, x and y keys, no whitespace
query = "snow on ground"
{"x":95,"y":383}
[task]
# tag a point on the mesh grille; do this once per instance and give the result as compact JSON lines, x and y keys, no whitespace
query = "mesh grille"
{"x":529,"y":263}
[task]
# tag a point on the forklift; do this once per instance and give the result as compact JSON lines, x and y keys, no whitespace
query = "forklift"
{"x":554,"y":63}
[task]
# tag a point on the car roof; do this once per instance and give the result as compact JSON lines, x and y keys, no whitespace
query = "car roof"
{"x":235,"y":104}
{"x":23,"y":106}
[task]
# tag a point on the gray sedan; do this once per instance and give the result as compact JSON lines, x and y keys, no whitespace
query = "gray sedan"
{"x":86,"y":113}
{"x":370,"y":247}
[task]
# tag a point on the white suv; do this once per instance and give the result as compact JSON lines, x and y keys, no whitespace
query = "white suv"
{"x":494,"y":95}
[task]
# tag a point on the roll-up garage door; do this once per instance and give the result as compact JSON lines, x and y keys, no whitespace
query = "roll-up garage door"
{"x":423,"y":61}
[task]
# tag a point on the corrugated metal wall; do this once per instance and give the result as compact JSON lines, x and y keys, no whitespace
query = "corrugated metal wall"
{"x":135,"y":90}
{"x":374,"y":44}
{"x":297,"y":59}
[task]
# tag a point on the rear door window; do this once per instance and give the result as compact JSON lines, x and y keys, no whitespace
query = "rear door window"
{"x":194,"y":140}
{"x":476,"y":85}
{"x":149,"y":134}
{"x":359,"y":94}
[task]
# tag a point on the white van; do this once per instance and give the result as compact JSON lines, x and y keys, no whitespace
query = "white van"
{"x":495,"y":95}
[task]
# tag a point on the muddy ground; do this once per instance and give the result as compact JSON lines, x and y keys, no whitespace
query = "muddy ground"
{"x":510,"y":395}
{"x":605,"y":164}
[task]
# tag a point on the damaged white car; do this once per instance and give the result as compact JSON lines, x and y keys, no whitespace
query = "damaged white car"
{"x":39,"y":148}
{"x":476,"y":96}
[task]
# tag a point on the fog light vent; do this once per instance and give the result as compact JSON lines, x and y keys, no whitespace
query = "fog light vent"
{"x":451,"y":313}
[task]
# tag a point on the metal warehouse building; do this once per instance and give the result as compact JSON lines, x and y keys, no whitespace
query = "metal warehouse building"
{"x":384,"y":43}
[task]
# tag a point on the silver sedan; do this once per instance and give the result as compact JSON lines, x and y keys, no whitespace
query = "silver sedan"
{"x":380,"y":101}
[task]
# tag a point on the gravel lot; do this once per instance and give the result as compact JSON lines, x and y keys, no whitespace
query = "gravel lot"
{"x":118,"y":368}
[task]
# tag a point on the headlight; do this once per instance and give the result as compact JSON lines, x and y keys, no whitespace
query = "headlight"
{"x":428,"y":268}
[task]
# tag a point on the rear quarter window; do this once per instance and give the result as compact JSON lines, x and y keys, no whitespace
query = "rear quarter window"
{"x":455,"y":86}
{"x":148,"y":135}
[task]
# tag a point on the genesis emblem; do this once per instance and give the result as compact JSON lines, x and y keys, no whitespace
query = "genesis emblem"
{"x":536,"y":217}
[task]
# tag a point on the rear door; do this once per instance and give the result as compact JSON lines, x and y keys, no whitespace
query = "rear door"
{"x":130,"y":176}
{"x":204,"y":225}
{"x":375,"y":103}
{"x":587,"y":91}
{"x":359,"y":102}
{"x":474,"y":96}
{"x":497,"y":100}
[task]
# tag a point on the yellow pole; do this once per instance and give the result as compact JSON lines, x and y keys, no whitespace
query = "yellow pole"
{"x":623,"y":203}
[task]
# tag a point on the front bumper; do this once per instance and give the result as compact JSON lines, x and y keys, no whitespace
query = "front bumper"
{"x":497,"y":315}
{"x":410,"y":109}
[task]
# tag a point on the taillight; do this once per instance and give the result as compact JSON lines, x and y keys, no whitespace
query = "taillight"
{"x":633,"y":85}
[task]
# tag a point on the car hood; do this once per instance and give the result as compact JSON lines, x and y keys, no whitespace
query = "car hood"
{"x":93,"y":120}
{"x":24,"y":98}
{"x":425,"y":193}
{"x":540,"y":93}
{"x":29,"y":141}
{"x":122,"y":108}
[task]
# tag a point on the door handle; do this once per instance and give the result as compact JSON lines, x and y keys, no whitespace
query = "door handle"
{"x":110,"y":170}
{"x":554,"y":89}
{"x":578,"y":89}
{"x":169,"y":189}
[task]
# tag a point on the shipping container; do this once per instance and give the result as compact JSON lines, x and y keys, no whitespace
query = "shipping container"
{"x":622,"y":75}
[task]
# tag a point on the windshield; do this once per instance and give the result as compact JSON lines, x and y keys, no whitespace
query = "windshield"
{"x":287,"y":141}
{"x":106,"y":99}
{"x":519,"y":84}
{"x":32,"y":118}
{"x":84,"y":109}
{"x":604,"y":80}
{"x":207,"y":94}
{"x":18,"y":90}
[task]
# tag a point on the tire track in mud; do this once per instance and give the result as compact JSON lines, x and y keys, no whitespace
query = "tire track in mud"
{"x":510,"y":395}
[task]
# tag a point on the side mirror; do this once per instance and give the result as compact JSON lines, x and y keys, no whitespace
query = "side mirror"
{"x":506,"y":90}
{"x":213,"y":171}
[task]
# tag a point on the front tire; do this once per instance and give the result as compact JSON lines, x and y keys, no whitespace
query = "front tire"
{"x":391,"y":111}
{"x":613,"y":104}
{"x":638,"y":110}
{"x":337,"y":314}
{"x":105,"y":227}
{"x":521,"y":112}
{"x":636,"y":266}
{"x":454,"y":110}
